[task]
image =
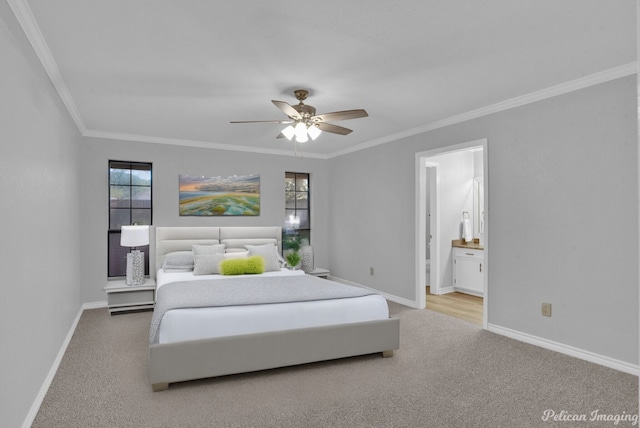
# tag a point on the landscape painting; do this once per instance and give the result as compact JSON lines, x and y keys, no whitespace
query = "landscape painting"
{"x":218,"y":196}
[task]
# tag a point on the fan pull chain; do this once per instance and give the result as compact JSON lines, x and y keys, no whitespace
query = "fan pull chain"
{"x":295,"y":149}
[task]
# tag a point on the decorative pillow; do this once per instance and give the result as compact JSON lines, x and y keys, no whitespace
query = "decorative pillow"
{"x":178,"y":261}
{"x":247,"y":265}
{"x":207,"y":264}
{"x":236,"y":255}
{"x":207,"y":249}
{"x":270,"y":254}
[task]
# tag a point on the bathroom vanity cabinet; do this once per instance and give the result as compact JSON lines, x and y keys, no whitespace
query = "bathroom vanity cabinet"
{"x":468,"y":275}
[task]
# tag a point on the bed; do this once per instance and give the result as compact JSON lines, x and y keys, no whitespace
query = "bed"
{"x":276,"y":319}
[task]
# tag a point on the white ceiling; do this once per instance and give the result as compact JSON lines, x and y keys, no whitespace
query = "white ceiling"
{"x":178,"y":71}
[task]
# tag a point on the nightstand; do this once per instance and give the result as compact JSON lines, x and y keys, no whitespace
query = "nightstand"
{"x":122,"y":297}
{"x":320,"y":272}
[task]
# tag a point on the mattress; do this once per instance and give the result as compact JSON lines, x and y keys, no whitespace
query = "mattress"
{"x":201,"y":323}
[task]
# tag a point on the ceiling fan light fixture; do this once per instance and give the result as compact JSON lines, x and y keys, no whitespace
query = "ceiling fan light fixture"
{"x":301,"y":133}
{"x":305,"y":123}
{"x":302,"y":139}
{"x":314,"y":132}
{"x":289,"y":132}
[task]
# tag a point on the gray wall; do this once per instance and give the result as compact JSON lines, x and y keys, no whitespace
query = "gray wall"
{"x":170,"y":161}
{"x":40,"y":251}
{"x":563,"y":186}
{"x":570,"y":162}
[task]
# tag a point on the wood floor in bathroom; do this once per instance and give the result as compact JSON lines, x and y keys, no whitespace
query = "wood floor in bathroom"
{"x":459,"y":305}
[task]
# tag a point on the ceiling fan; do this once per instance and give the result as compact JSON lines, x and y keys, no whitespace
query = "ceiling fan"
{"x":304,"y":122}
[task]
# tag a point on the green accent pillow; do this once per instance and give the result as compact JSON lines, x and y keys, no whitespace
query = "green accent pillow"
{"x":247,"y":265}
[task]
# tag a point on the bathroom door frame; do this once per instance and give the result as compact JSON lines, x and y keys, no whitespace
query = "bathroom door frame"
{"x":421,"y":163}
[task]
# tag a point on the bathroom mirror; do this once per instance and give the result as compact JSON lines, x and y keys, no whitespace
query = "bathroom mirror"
{"x":478,"y":206}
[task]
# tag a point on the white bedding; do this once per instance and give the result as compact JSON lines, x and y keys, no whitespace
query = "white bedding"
{"x":163,"y":277}
{"x":200,"y":323}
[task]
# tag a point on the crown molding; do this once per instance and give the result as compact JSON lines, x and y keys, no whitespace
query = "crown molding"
{"x":553,"y":91}
{"x":25,"y":18}
{"x":27,"y":21}
{"x":200,"y":144}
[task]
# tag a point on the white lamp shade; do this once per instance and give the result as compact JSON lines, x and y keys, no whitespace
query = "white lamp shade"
{"x":134,"y":236}
{"x":314,"y":132}
{"x":301,"y":133}
{"x":289,"y":132}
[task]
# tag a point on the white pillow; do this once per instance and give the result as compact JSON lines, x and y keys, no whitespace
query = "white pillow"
{"x":236,"y":255}
{"x":269,"y":253}
{"x":207,"y":249}
{"x":208,"y":264}
{"x":178,"y":261}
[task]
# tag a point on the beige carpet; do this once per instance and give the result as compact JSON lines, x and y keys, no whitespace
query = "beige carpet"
{"x":448,"y":373}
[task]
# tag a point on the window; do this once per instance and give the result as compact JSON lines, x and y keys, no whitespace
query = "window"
{"x":129,"y":203}
{"x":297,"y":210}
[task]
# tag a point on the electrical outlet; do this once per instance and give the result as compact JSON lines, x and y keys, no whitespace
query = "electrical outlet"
{"x":546,"y":309}
{"x":371,"y":271}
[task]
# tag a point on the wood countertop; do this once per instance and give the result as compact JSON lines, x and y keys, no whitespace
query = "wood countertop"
{"x":473,"y":245}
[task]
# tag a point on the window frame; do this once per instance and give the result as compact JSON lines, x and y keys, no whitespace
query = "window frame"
{"x":302,"y":232}
{"x":114,"y":250}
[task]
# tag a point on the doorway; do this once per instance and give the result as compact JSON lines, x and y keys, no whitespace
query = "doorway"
{"x":435,"y":223}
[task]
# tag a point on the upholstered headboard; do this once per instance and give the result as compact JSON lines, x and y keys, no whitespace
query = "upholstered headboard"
{"x":169,"y":239}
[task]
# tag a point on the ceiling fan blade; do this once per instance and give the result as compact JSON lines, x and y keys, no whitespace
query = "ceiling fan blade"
{"x":340,"y":115}
{"x":261,"y":121}
{"x":334,"y":129}
{"x":287,"y":109}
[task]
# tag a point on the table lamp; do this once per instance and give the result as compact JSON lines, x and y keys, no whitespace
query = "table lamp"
{"x":135,"y":236}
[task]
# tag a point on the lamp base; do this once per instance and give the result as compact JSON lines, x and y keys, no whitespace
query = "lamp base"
{"x":135,"y":268}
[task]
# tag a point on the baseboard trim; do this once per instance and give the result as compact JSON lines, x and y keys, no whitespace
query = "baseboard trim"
{"x":396,"y":299}
{"x":468,"y":291}
{"x":94,"y":305}
{"x":566,"y":349}
{"x":445,"y":290}
{"x":35,"y":407}
{"x":524,"y":337}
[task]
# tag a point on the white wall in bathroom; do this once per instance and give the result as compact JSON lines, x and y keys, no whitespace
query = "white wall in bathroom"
{"x":455,"y":189}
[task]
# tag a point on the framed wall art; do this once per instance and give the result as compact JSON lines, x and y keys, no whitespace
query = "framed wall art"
{"x":237,"y":195}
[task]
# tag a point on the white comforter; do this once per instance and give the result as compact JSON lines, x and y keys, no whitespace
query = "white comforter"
{"x":200,"y":323}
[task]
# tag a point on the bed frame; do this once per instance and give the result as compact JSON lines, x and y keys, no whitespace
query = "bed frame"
{"x":197,"y":359}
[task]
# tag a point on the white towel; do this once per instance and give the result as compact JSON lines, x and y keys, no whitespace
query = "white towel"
{"x":466,"y":230}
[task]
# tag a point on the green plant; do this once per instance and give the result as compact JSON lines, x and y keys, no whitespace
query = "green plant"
{"x":292,"y":243}
{"x":293,"y":258}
